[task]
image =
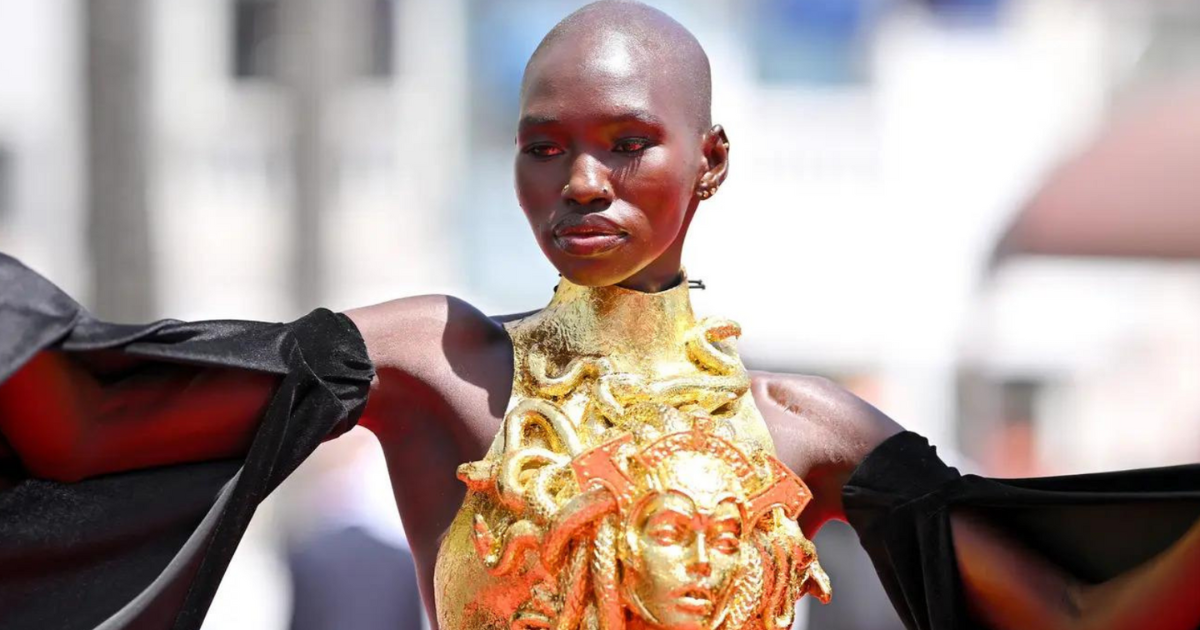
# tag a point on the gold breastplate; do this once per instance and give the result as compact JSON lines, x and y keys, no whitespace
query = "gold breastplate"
{"x":633,"y":484}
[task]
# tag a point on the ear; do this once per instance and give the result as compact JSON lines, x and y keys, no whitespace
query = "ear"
{"x":715,"y":147}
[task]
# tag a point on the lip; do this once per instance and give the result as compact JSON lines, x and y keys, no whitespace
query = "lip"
{"x":695,"y":600}
{"x":588,"y":234}
{"x":694,"y":605}
{"x":587,"y":225}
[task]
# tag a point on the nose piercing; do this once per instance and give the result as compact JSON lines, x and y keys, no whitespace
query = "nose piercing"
{"x":567,"y":188}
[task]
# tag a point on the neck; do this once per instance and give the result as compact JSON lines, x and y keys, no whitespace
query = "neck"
{"x":665,"y":271}
{"x":651,"y":280}
{"x":615,"y":321}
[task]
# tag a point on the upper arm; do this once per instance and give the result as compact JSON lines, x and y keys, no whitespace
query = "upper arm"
{"x":412,"y":334}
{"x":821,"y":432}
{"x":422,"y":347}
{"x":808,"y":414}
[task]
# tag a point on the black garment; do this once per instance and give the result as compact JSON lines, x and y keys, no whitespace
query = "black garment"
{"x":1093,"y":526}
{"x":146,"y":549}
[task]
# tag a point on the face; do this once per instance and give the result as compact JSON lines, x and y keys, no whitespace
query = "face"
{"x":608,"y":161}
{"x":688,"y":560}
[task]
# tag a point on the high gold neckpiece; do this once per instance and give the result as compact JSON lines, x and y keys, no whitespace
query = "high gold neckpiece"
{"x":633,"y":484}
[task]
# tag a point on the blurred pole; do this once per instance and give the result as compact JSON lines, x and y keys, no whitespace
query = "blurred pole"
{"x":117,"y":67}
{"x":315,"y":36}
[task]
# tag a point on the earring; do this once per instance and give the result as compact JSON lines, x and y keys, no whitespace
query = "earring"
{"x":706,"y":190}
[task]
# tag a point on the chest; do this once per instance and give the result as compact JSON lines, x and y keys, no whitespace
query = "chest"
{"x":590,"y":375}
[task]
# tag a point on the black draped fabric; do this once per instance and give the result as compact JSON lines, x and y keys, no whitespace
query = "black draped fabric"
{"x":1093,"y":526}
{"x":146,"y":549}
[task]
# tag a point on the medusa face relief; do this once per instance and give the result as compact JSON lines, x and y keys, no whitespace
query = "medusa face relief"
{"x":685,"y":533}
{"x":684,"y":544}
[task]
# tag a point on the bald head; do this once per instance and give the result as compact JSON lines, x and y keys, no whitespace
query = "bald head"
{"x":622,"y":37}
{"x":615,"y":145}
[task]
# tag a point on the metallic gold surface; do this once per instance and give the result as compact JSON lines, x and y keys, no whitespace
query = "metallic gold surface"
{"x":633,"y":484}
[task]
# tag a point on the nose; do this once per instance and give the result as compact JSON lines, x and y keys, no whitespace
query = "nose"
{"x":588,"y":182}
{"x":700,"y":565}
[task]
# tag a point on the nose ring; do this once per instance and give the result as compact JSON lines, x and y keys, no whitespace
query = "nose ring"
{"x":603,"y":190}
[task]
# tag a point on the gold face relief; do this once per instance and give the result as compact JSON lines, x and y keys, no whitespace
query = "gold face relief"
{"x":634,"y":484}
{"x":684,"y":561}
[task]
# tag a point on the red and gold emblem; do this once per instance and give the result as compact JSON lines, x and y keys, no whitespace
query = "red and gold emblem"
{"x":633,"y":484}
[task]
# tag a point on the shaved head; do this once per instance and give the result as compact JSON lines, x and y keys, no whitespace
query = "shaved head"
{"x":616,"y":146}
{"x":626,"y":35}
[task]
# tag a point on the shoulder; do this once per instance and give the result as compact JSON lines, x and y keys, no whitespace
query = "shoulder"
{"x":813,"y":399}
{"x":797,"y":393}
{"x":822,"y":410}
{"x":409,"y":329}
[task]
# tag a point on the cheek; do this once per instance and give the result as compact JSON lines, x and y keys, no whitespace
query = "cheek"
{"x":657,"y":557}
{"x":537,"y":187}
{"x":726,"y":562}
{"x":660,"y":186}
{"x":663,"y":568}
{"x":725,"y":568}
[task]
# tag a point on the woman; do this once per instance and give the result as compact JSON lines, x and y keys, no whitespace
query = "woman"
{"x":616,"y":152}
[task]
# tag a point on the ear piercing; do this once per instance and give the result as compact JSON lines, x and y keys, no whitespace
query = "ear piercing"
{"x":706,"y":190}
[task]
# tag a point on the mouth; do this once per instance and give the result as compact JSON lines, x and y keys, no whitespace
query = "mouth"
{"x":695,"y":601}
{"x":588,"y":235}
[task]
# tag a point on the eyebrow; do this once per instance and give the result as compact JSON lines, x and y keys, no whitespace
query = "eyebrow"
{"x":668,"y":514}
{"x":634,"y":115}
{"x":728,"y":521}
{"x":668,"y":509}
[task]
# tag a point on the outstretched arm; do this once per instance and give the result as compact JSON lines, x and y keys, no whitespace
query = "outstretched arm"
{"x":824,"y":432}
{"x":65,"y":423}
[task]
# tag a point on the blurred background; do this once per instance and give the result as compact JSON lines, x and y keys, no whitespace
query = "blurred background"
{"x":981,"y":215}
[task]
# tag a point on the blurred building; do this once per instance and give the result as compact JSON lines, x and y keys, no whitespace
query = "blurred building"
{"x":258,"y":158}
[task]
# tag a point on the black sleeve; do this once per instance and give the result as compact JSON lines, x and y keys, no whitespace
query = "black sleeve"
{"x":147,"y":548}
{"x":1094,"y":526}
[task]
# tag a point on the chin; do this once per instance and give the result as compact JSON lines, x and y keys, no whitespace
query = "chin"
{"x":591,"y":273}
{"x":685,"y":622}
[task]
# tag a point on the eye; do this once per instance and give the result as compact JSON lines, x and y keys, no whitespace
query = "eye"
{"x":727,"y":543}
{"x":542,"y":150}
{"x":667,"y":534}
{"x":631,"y":145}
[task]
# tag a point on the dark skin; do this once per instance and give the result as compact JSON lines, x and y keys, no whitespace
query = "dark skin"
{"x":609,"y":169}
{"x":605,"y":150}
{"x":603,"y":154}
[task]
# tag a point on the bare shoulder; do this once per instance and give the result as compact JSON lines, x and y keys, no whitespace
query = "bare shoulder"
{"x":802,"y":410}
{"x":821,"y":431}
{"x":405,"y":333}
{"x":786,"y":382}
{"x":802,"y":395}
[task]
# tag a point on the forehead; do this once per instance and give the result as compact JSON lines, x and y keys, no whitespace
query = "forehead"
{"x":698,"y":481}
{"x":600,"y":76}
{"x":672,"y":503}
